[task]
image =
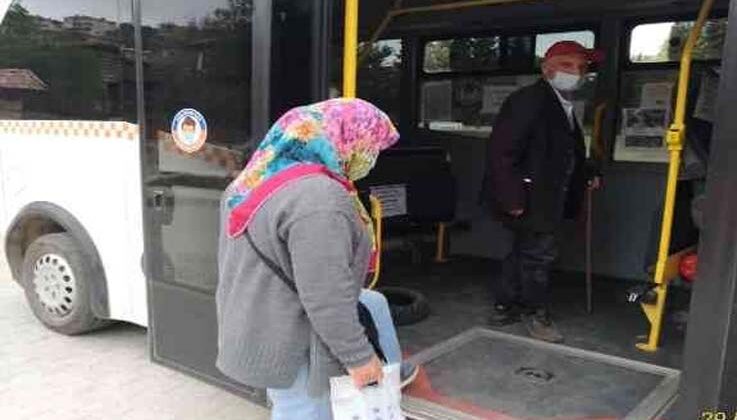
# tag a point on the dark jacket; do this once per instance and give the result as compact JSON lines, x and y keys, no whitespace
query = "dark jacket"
{"x":532,"y":140}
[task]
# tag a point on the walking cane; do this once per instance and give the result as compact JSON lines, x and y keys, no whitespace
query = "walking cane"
{"x":596,"y":152}
{"x":589,"y":274}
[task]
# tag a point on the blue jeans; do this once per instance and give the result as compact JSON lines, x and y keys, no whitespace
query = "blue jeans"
{"x":295,"y":403}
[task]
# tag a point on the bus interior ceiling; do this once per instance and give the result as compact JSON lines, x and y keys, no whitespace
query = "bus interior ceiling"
{"x":626,"y":212}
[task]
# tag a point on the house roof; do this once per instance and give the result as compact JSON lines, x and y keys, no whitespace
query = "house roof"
{"x":20,"y":79}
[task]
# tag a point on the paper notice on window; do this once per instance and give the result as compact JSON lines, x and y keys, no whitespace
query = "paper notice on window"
{"x":437,"y":101}
{"x":656,"y":95}
{"x":640,"y":149}
{"x":393,"y":199}
{"x":650,"y":122}
{"x":494,"y":97}
{"x":707,"y":101}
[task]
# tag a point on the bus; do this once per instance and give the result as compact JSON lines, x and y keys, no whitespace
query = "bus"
{"x":122,"y":121}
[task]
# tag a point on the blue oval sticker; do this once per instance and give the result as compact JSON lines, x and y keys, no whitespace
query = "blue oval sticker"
{"x":189,"y":130}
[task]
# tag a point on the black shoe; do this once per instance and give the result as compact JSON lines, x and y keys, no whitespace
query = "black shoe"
{"x":541,"y":327}
{"x":502,"y":315}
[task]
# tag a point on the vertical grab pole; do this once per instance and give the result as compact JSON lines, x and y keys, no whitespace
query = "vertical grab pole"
{"x":350,"y":75}
{"x":589,"y":250}
{"x":596,"y":152}
{"x":674,"y":137}
{"x":350,"y":49}
{"x":440,"y":244}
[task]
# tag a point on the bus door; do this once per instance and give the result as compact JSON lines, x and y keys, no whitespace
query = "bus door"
{"x":210,"y":71}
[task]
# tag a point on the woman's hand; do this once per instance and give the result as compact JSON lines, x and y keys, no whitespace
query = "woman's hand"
{"x":371,"y":372}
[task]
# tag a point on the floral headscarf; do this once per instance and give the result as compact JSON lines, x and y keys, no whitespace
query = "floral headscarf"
{"x":339,"y":137}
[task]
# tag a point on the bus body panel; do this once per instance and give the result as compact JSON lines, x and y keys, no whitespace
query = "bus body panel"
{"x":94,"y":178}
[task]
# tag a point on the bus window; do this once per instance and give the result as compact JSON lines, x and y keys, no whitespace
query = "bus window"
{"x":379,"y":75}
{"x":462,"y":54}
{"x":662,"y":42}
{"x":60,"y":62}
{"x":466,"y":80}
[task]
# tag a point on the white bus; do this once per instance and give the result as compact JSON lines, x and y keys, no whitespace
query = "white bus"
{"x":121,"y":121}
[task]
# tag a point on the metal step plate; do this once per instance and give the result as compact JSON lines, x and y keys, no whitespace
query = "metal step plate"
{"x":484,"y":374}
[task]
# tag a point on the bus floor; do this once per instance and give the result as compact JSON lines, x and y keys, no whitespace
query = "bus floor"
{"x":460,"y":300}
{"x":459,"y":296}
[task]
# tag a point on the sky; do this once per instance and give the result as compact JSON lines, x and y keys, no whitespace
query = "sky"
{"x":649,"y":39}
{"x":3,"y":8}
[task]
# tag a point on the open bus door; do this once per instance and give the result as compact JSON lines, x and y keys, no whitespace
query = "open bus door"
{"x":214,"y":76}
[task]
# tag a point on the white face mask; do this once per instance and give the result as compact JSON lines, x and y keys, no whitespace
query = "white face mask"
{"x":566,"y":82}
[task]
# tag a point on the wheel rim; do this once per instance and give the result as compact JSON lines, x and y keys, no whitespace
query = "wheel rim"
{"x":55,"y":285}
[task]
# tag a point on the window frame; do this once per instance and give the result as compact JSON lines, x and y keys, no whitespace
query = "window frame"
{"x":626,"y":62}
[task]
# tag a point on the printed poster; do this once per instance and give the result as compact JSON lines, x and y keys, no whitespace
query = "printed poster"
{"x":494,"y":96}
{"x":656,"y":95}
{"x":393,"y":199}
{"x":644,"y":121}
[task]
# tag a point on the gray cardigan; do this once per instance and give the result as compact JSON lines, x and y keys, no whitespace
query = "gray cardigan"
{"x":266,"y":332}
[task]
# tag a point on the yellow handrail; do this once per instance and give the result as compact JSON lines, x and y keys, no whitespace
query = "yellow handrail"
{"x":398,"y":11}
{"x":674,"y":138}
{"x":377,"y":213}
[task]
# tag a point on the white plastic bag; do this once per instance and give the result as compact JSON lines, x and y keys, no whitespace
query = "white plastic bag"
{"x":380,"y":402}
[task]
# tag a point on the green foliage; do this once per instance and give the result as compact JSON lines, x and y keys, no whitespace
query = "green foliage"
{"x":462,"y":54}
{"x":708,"y":47}
{"x":18,"y":26}
{"x":379,"y":78}
{"x":71,"y":70}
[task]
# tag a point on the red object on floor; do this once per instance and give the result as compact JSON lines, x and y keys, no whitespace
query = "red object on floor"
{"x":422,"y":389}
{"x":688,"y":266}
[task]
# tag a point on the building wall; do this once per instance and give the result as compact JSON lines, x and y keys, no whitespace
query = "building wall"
{"x":11,"y":109}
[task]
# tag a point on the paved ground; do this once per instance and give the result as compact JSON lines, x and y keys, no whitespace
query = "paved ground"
{"x":106,"y":375}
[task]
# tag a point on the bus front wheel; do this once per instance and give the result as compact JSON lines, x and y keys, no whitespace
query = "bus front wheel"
{"x":56,"y":278}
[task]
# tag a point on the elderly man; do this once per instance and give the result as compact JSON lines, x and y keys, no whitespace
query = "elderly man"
{"x":537,"y":175}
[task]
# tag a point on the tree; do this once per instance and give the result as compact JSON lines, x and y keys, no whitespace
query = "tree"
{"x":379,"y":77}
{"x":461,"y":54}
{"x":474,"y":53}
{"x":19,"y":26}
{"x":708,"y":46}
{"x":437,"y":56}
{"x":711,"y":42}
{"x":236,"y":16}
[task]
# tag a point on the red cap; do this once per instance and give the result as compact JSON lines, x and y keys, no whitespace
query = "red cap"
{"x":573,"y":47}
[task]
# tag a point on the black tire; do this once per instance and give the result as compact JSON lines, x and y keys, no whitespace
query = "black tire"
{"x":407,"y":306}
{"x":67,"y":270}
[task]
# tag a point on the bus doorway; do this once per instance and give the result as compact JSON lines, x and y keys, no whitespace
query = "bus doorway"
{"x":442,"y":73}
